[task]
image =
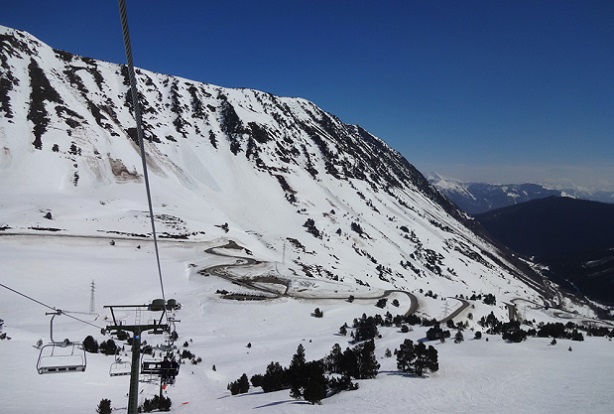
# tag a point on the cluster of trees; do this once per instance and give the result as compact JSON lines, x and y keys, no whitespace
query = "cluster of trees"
{"x":512,"y":331}
{"x":365,"y":328}
{"x":417,"y":359}
{"x":509,"y":331}
{"x":318,"y":379}
{"x":600,"y":331}
{"x":108,"y":347}
{"x":3,"y":334}
{"x":489,"y":299}
{"x":437,"y":333}
{"x":156,"y":403}
{"x":240,"y":386}
{"x":558,"y":330}
{"x":358,"y":362}
{"x":315,"y":380}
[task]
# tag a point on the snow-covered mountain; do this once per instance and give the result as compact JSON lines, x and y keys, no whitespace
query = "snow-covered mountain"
{"x":573,"y":238}
{"x":476,"y":198}
{"x":270,"y":171}
{"x":272,"y":192}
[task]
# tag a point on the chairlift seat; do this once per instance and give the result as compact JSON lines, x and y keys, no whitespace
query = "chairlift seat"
{"x":58,"y":357}
{"x":118,"y":369}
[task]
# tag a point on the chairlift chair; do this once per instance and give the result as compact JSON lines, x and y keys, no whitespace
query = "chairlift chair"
{"x":151,"y":366}
{"x":58,"y":357}
{"x":120,"y":368}
{"x":165,"y":368}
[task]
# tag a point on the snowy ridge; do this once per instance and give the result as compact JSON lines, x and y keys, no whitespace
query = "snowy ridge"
{"x":476,"y":198}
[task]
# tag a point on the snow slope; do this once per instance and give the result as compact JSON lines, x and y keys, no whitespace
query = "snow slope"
{"x":474,"y":376}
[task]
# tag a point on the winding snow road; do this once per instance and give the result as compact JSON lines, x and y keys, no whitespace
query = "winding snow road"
{"x":220,"y":271}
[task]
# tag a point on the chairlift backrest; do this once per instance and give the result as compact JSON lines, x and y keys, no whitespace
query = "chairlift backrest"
{"x":151,"y":367}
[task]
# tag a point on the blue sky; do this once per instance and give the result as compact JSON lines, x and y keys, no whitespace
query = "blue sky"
{"x":493,"y":91}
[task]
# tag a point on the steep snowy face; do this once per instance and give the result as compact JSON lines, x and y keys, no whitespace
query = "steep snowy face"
{"x":279,"y":174}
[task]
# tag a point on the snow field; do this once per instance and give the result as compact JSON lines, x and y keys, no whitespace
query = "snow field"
{"x":474,"y":376}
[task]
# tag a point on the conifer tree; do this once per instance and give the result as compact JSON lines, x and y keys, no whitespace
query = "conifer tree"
{"x":296,"y":373}
{"x":243,"y":384}
{"x":275,"y":378}
{"x":333,"y":360}
{"x":368,"y":367}
{"x":104,"y":407}
{"x":316,"y":384}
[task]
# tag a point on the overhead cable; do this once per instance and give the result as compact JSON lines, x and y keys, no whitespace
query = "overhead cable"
{"x":67,"y":313}
{"x":139,"y":130}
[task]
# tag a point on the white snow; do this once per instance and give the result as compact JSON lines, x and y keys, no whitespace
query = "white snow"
{"x":474,"y":376}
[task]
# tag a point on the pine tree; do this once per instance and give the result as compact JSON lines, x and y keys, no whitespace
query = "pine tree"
{"x":296,"y":373}
{"x":368,"y":367}
{"x":275,"y":378}
{"x":333,"y":360}
{"x":243,"y":384}
{"x":104,"y":407}
{"x":426,"y":359}
{"x":406,"y":355}
{"x":240,"y":386}
{"x":348,"y":364}
{"x":256,"y":380}
{"x":316,"y":384}
{"x":90,"y":344}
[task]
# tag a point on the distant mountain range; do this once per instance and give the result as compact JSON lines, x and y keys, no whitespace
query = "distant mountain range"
{"x":476,"y":198}
{"x":574,"y":238}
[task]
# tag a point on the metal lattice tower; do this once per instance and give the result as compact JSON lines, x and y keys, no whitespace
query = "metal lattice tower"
{"x":92,"y":302}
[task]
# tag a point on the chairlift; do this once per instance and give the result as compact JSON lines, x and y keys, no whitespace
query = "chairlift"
{"x":120,"y":368}
{"x":165,"y":368}
{"x":151,"y":366}
{"x":58,"y":357}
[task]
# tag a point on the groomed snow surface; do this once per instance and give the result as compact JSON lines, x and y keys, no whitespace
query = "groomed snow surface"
{"x":474,"y":377}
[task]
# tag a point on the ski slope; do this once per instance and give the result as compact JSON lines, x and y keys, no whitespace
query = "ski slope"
{"x":475,"y":376}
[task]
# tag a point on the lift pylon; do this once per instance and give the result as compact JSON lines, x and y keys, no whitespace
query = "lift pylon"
{"x":154,"y":327}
